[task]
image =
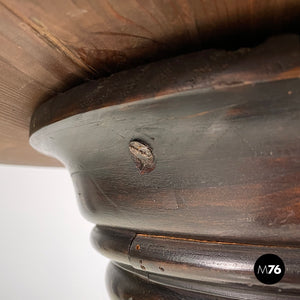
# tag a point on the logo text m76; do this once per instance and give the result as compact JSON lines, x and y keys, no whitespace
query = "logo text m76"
{"x":272,"y":268}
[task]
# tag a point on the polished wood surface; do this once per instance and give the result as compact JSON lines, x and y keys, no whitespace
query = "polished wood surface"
{"x":123,"y":285}
{"x":220,"y":269}
{"x":276,"y":59}
{"x":46,"y":47}
{"x":238,"y":147}
{"x":218,"y":132}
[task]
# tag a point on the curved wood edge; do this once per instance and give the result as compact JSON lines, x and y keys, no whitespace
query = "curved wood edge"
{"x":185,"y":263}
{"x":48,"y":48}
{"x":207,"y":290}
{"x":124,"y":285}
{"x":276,"y":59}
{"x":114,"y":243}
{"x":227,"y":163}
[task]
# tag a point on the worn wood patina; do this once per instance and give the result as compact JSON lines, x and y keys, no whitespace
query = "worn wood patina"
{"x":214,"y":179}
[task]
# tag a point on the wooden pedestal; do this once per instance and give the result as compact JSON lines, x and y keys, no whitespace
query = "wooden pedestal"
{"x":190,"y":169}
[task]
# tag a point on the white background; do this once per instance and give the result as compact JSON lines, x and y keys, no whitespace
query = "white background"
{"x":45,"y":252}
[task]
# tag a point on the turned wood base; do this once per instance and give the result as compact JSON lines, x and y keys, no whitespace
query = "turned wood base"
{"x":123,"y":284}
{"x":168,"y":267}
{"x":189,"y":168}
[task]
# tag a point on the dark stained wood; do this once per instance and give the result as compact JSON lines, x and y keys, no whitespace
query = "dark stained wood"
{"x":138,"y":283}
{"x":215,"y":268}
{"x":123,"y":285}
{"x":276,"y":59}
{"x":224,"y":188}
{"x":49,"y":46}
{"x":114,"y":243}
{"x":188,"y":258}
{"x":235,"y":147}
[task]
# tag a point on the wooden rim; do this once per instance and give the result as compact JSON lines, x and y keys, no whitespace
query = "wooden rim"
{"x":203,"y":266}
{"x":276,"y":59}
{"x":197,"y":165}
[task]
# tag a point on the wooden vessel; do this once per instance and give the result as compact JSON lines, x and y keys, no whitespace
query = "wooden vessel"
{"x":190,"y":169}
{"x":179,"y":124}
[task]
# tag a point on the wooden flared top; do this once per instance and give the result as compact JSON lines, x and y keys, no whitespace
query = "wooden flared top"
{"x":47,"y":47}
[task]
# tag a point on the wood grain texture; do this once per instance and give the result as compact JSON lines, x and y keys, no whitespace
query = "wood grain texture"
{"x":236,"y":145}
{"x":123,"y":285}
{"x":220,"y":269}
{"x":49,"y":46}
{"x":124,"y":281}
{"x":276,"y":59}
{"x":227,"y":163}
{"x":221,"y":132}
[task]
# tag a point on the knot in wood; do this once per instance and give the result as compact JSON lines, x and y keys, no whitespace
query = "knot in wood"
{"x":142,"y":155}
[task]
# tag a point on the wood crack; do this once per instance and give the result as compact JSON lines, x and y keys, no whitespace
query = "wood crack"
{"x":122,"y":34}
{"x":42,"y":32}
